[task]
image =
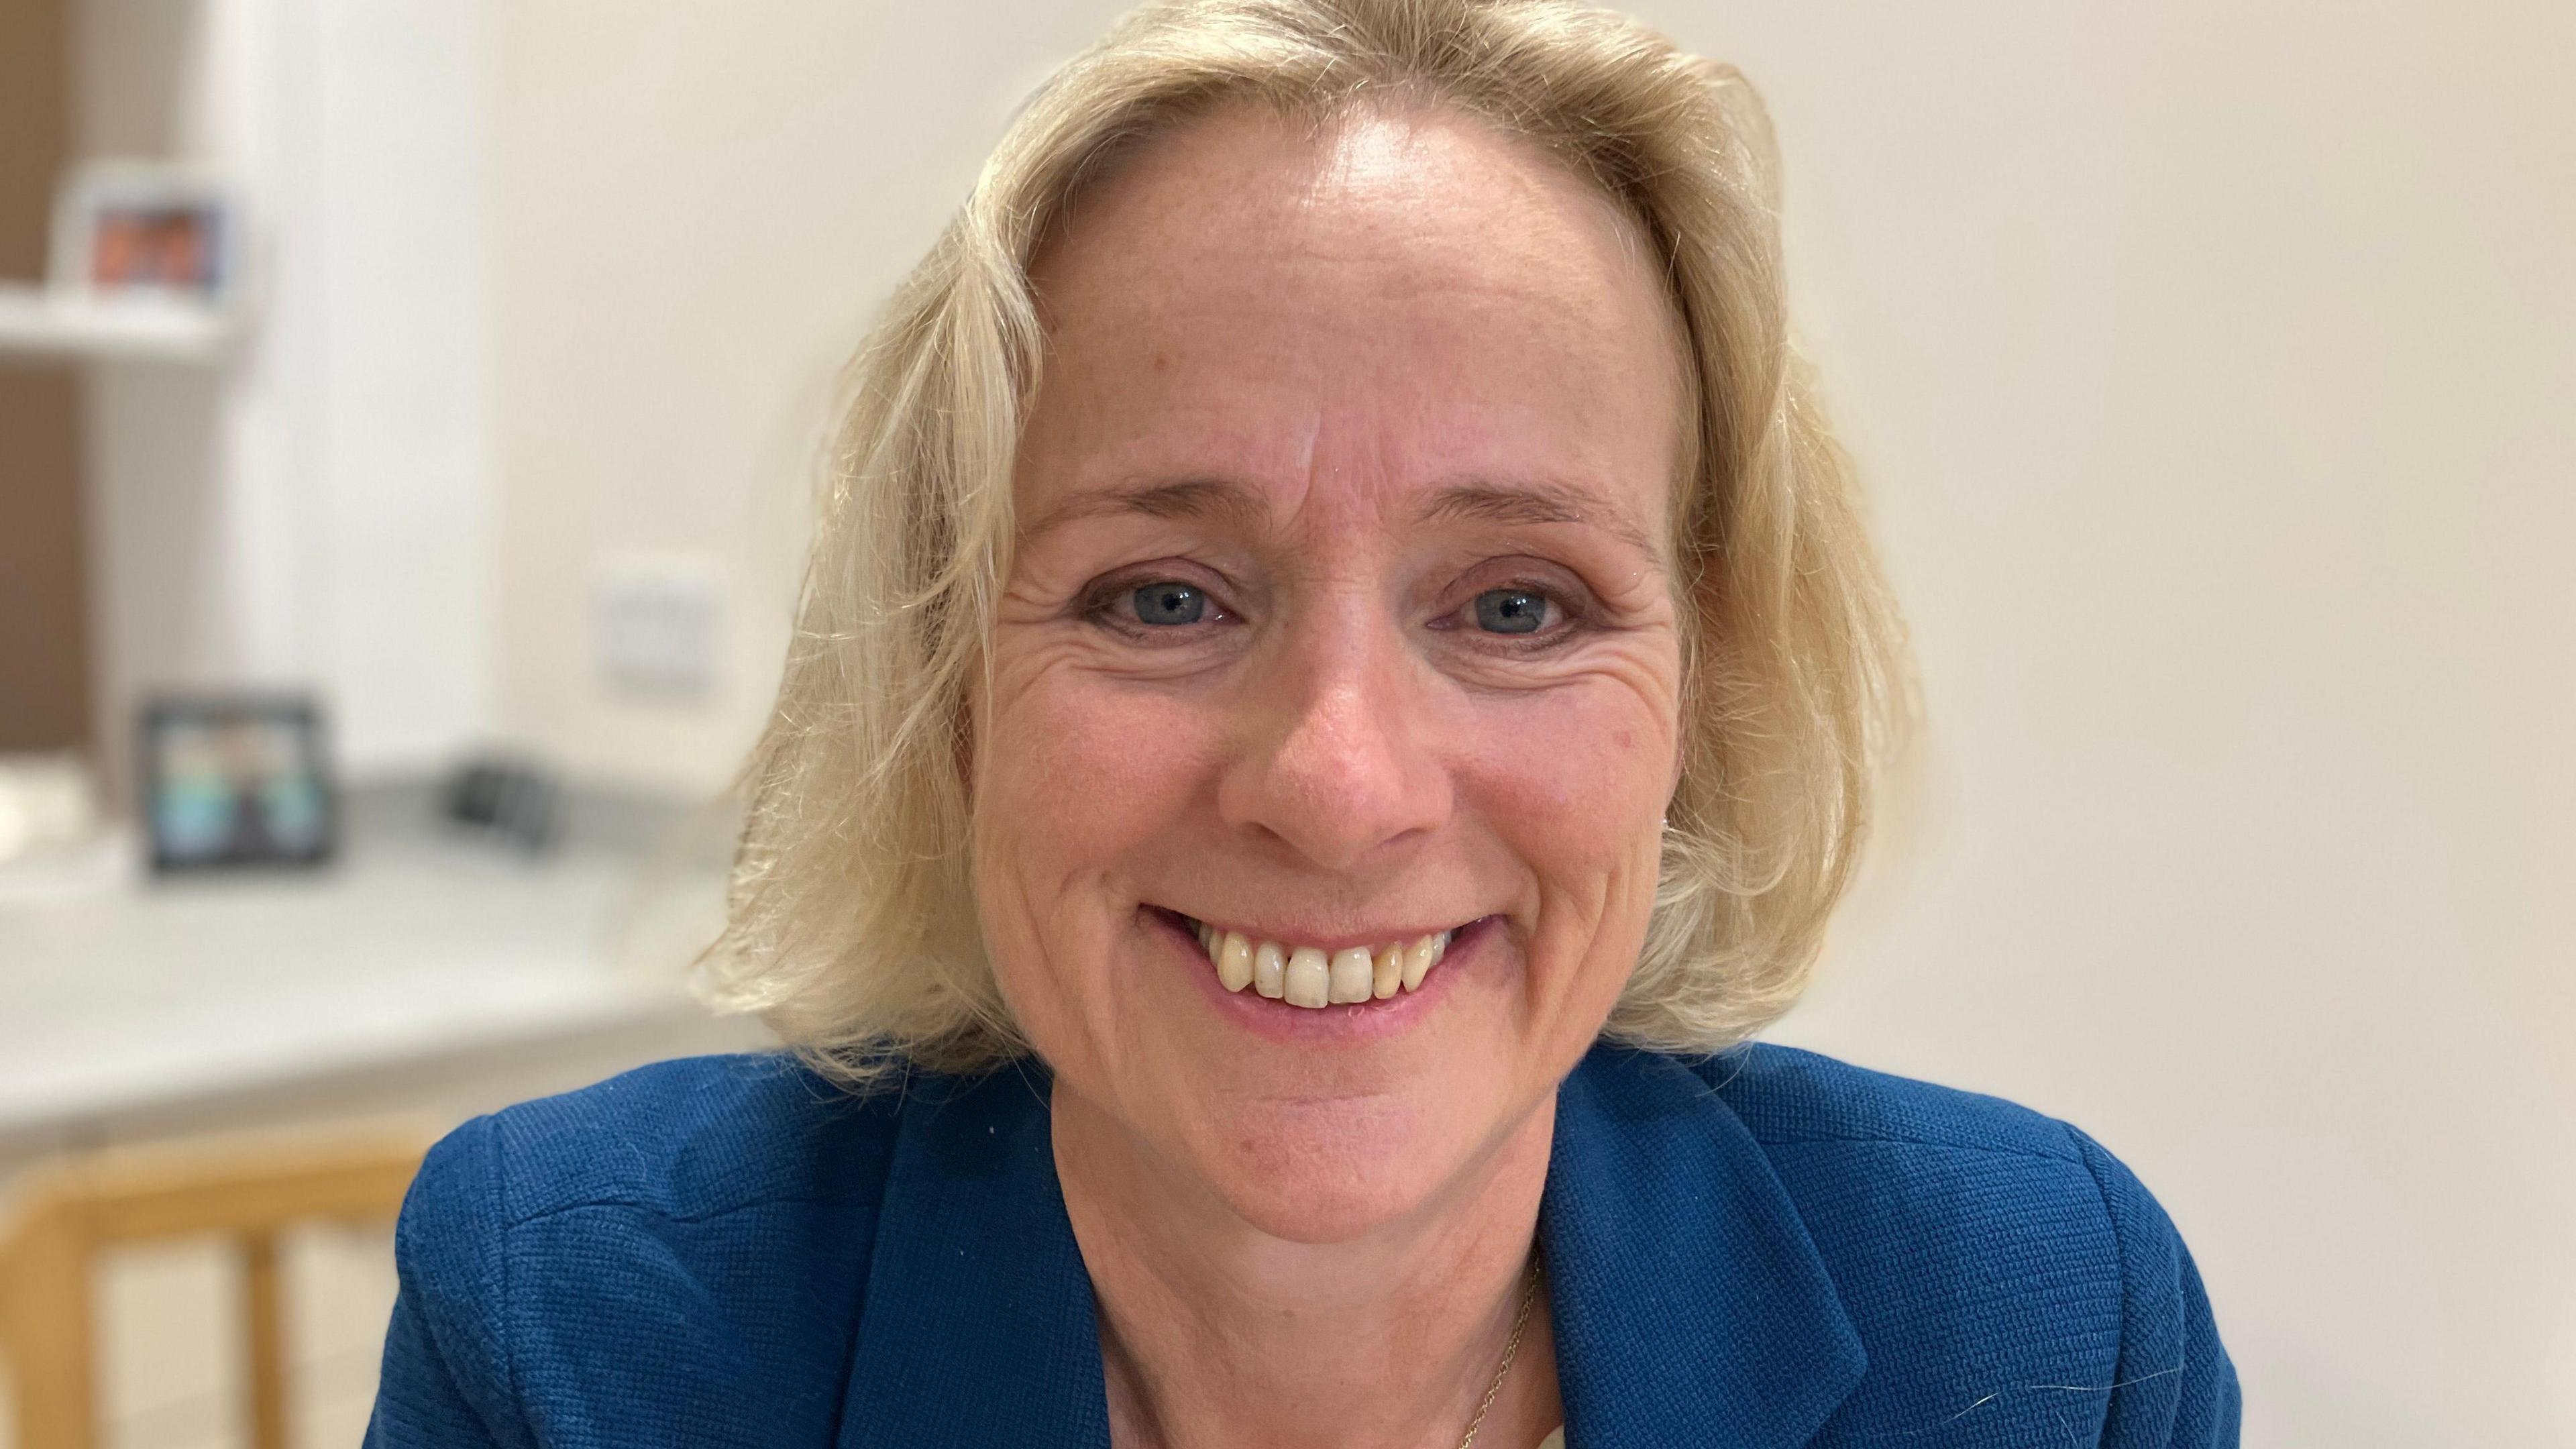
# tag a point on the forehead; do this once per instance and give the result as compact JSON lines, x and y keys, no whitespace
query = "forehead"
{"x":1395,"y":305}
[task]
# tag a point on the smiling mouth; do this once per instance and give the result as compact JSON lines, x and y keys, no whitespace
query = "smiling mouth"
{"x":1312,"y":977}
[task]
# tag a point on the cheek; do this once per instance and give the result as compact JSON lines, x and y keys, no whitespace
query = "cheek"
{"x":1079,"y":778}
{"x":1573,"y":782}
{"x":1068,"y":757}
{"x":1571,"y":774}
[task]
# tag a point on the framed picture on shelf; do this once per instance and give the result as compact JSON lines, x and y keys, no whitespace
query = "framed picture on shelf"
{"x":232,"y":781}
{"x":136,"y":231}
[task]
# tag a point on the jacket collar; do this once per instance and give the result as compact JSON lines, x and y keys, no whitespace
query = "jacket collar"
{"x":978,"y":1326}
{"x":1688,"y":1302}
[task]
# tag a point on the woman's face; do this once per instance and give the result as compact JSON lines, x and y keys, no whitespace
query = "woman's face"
{"x":1340,"y":617}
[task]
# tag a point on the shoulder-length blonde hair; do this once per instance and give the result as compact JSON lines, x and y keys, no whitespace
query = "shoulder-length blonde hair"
{"x":852,"y":922}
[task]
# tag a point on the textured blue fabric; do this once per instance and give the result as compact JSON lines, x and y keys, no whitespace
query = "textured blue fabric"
{"x":1761,"y":1250}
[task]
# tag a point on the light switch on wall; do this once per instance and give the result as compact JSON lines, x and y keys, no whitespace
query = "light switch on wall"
{"x":654,"y":627}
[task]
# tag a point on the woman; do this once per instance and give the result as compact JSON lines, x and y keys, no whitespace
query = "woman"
{"x":1337,"y":687}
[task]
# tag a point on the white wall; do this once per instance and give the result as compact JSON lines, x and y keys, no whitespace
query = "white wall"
{"x":309,"y":511}
{"x":2212,"y":364}
{"x":404,"y":573}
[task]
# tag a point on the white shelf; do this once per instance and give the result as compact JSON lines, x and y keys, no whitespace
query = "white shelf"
{"x":36,"y":321}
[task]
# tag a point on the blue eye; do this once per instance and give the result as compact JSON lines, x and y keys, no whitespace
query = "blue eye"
{"x":1169,"y":603}
{"x":1511,"y":611}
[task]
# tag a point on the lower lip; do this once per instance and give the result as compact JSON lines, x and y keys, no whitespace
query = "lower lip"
{"x":1357,"y":1021}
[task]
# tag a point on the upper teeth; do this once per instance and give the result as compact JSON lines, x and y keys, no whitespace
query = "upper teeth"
{"x":1311,"y":976}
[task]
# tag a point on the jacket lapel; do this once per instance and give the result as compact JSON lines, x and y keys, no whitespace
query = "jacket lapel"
{"x":978,"y":1327}
{"x":1689,"y":1304}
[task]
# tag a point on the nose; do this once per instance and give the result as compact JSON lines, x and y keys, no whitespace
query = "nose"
{"x":1338,"y":760}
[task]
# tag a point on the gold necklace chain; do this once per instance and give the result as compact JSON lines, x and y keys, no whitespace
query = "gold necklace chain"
{"x":1511,"y":1345}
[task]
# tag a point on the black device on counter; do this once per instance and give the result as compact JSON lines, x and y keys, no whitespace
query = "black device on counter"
{"x":511,"y":802}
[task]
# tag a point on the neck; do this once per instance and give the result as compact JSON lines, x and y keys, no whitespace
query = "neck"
{"x":1216,"y":1333}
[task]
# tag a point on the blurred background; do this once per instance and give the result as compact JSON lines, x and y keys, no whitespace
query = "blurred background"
{"x":406,"y":414}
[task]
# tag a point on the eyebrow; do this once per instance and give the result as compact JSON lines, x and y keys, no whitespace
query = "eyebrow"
{"x":1234,"y":503}
{"x":1189,"y":498}
{"x":1531,"y":503}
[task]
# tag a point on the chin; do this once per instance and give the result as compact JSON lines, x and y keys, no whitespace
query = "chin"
{"x":1333,"y":1170}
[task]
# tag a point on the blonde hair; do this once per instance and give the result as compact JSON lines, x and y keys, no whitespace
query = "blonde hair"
{"x":852,"y":926}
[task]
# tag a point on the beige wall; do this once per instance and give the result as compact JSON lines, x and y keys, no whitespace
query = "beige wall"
{"x":2212,"y":363}
{"x":694,"y":210}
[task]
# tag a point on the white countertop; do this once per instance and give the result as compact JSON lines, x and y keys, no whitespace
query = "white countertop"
{"x":128,"y":994}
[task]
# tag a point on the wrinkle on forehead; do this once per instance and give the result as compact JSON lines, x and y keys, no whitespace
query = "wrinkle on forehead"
{"x":1248,"y":510}
{"x":1348,"y":304}
{"x":1361,"y":178}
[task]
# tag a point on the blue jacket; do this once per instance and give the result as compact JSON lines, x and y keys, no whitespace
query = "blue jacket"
{"x":1764,"y":1249}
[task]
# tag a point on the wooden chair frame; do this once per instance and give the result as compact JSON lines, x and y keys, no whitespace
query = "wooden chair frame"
{"x":249,"y":1192}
